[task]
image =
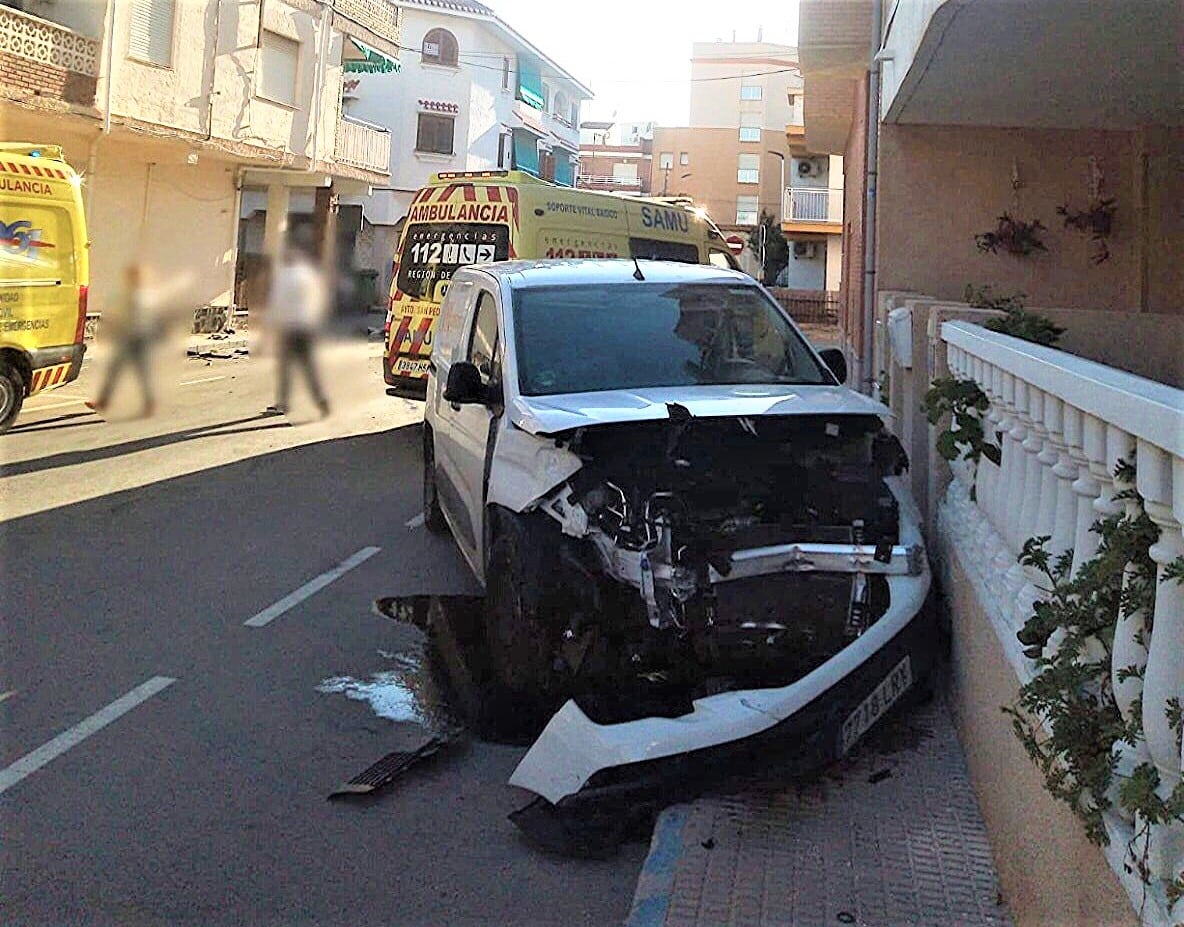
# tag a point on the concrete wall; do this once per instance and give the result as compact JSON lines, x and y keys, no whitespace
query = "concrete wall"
{"x":1052,"y":876}
{"x":941,"y":185}
{"x":805,"y":273}
{"x":854,"y":218}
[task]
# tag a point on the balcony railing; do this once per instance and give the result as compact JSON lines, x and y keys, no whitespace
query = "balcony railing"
{"x":1065,"y":424}
{"x":813,"y":204}
{"x":40,"y":40}
{"x":363,"y":145}
{"x":608,"y":182}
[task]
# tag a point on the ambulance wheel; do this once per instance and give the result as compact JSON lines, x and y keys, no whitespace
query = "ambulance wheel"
{"x":433,"y":517}
{"x":12,"y":395}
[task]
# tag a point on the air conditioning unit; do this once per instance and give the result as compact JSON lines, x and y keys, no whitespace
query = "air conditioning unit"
{"x":809,"y":168}
{"x":805,"y":249}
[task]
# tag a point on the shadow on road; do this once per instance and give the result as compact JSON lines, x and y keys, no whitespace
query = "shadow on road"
{"x":53,"y":424}
{"x":90,"y":455}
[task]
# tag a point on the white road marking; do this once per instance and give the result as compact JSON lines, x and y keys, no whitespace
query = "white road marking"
{"x":205,"y":380}
{"x":54,"y":405}
{"x":47,"y":752}
{"x":311,"y":588}
{"x":417,"y":522}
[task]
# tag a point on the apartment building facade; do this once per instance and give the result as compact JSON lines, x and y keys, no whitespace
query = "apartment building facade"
{"x":170,"y":110}
{"x":617,"y":157}
{"x":473,"y":94}
{"x":742,"y":154}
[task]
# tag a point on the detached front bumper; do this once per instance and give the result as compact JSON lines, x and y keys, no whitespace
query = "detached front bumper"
{"x":577,"y":765}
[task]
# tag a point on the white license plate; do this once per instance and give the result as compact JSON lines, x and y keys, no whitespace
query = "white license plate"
{"x":872,"y":708}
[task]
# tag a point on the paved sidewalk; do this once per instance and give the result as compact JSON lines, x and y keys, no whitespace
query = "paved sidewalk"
{"x":889,"y":837}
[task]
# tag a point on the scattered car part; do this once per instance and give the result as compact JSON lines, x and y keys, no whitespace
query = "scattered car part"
{"x":389,"y":768}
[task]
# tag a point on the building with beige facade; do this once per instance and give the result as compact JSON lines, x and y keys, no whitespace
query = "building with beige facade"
{"x":958,"y":120}
{"x":172,"y":110}
{"x":743,"y":153}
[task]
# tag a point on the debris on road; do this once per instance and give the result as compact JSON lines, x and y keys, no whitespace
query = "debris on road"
{"x":389,"y":768}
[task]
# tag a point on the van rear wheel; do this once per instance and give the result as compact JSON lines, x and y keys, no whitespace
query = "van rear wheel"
{"x":12,"y":395}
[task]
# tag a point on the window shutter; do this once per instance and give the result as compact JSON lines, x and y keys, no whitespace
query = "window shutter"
{"x":151,"y":27}
{"x":526,"y":152}
{"x":278,"y":67}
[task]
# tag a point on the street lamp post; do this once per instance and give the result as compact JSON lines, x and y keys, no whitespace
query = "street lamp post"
{"x":781,"y":190}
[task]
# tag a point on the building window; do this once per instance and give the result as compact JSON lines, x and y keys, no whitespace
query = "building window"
{"x":560,"y":106}
{"x":747,"y":210}
{"x":575,"y":114}
{"x":793,"y":100}
{"x":435,"y":134}
{"x":439,"y":47}
{"x":505,"y":74}
{"x":751,"y":92}
{"x":626,"y":172}
{"x":750,"y":169}
{"x":666,"y":161}
{"x":505,"y":152}
{"x":750,"y":127}
{"x":151,"y":37}
{"x":685,"y":158}
{"x":279,"y":59}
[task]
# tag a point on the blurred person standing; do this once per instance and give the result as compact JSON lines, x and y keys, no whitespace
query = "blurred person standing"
{"x":296,"y":307}
{"x":135,"y":327}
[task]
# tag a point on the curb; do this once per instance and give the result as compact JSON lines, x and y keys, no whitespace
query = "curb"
{"x":655,"y":884}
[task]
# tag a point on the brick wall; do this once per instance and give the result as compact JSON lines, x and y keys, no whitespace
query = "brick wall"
{"x":22,"y":78}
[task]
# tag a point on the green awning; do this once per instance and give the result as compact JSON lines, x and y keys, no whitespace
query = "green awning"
{"x":530,"y":82}
{"x":362,"y":59}
{"x":526,"y":152}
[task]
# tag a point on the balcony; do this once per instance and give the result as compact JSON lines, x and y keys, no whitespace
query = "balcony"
{"x":813,"y":209}
{"x":609,"y":183}
{"x":363,"y":145}
{"x":44,"y":63}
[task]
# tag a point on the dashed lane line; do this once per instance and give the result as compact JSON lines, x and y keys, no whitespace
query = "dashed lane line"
{"x":51,"y":750}
{"x":311,"y":588}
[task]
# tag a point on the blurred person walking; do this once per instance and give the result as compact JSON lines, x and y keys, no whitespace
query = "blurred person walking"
{"x":296,"y":308}
{"x":135,"y":328}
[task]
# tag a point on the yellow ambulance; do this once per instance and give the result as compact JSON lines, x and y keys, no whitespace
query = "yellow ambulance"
{"x":485,"y":216}
{"x":43,"y":274}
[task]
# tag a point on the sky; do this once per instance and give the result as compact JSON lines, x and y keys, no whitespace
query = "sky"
{"x":635,"y":54}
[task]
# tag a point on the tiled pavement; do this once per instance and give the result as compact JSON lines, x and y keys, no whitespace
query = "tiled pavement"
{"x":889,"y":837}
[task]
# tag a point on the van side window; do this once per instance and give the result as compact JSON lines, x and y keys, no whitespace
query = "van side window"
{"x":483,"y":346}
{"x":650,"y":249}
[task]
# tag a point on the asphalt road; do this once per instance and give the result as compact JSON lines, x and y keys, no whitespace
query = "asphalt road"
{"x":132,"y":552}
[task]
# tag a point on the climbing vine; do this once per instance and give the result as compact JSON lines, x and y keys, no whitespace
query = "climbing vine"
{"x":1066,"y":716}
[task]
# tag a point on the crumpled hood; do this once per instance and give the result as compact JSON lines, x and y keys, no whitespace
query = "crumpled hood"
{"x":542,"y":415}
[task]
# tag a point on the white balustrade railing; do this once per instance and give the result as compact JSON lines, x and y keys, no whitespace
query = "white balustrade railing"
{"x":45,"y":42}
{"x":813,"y":204}
{"x":362,"y":144}
{"x":1065,"y":424}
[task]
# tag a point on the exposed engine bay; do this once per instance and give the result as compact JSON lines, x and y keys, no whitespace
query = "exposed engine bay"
{"x":701,"y":555}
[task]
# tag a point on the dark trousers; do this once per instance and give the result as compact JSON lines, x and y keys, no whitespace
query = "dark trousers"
{"x":296,"y":348}
{"x":132,"y":351}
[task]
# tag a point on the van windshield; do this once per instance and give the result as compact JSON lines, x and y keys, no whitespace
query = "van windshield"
{"x":432,"y":253}
{"x":576,"y":339}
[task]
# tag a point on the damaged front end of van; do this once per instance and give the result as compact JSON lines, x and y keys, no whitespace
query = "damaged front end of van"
{"x":722,"y":591}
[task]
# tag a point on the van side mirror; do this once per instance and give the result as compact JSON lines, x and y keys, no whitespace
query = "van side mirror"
{"x":836,"y":362}
{"x":464,"y":386}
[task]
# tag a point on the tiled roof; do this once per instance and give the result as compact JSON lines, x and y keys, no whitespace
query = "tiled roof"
{"x":460,"y":6}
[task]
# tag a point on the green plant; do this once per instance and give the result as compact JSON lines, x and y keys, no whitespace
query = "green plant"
{"x":1014,"y":236}
{"x":965,"y":437}
{"x":1016,"y":320}
{"x":1066,"y":716}
{"x":1097,"y":220}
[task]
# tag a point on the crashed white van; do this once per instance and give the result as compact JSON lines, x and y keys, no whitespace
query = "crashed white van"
{"x":692,"y":537}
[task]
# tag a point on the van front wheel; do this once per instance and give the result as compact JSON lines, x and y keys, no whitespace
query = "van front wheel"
{"x":12,"y":395}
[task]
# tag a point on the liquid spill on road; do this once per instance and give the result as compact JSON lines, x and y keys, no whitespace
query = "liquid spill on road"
{"x":407,"y":693}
